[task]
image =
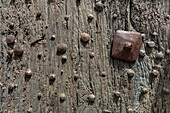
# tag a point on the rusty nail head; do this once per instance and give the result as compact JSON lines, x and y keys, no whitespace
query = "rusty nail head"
{"x":85,"y":37}
{"x":61,"y":48}
{"x":126,"y":45}
{"x":18,"y":50}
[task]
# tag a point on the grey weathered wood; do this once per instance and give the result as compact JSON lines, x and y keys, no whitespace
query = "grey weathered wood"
{"x":145,"y":16}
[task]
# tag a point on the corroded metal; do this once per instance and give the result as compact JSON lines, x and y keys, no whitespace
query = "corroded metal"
{"x":126,"y":45}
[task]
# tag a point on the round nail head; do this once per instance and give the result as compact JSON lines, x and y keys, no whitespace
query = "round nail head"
{"x":155,"y":72}
{"x":61,"y":48}
{"x":11,"y":86}
{"x":91,"y":98}
{"x":99,"y":6}
{"x":62,"y":97}
{"x":114,"y":16}
{"x":116,"y":94}
{"x":52,"y":76}
{"x":85,"y":37}
{"x":142,"y":53}
{"x":28,"y":73}
{"x":130,"y":73}
{"x":10,"y":39}
{"x":76,"y":77}
{"x":64,"y":58}
{"x":18,"y":50}
{"x":103,"y":74}
{"x":53,"y":37}
{"x":90,"y":17}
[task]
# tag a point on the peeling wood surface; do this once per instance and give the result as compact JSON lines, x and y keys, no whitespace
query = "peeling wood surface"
{"x":35,"y":21}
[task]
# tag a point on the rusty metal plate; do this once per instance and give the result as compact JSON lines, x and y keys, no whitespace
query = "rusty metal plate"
{"x":126,"y":45}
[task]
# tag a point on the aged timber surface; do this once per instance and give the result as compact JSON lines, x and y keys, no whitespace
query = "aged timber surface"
{"x":61,"y":72}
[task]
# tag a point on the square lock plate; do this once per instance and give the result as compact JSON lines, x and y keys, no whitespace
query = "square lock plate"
{"x":126,"y":45}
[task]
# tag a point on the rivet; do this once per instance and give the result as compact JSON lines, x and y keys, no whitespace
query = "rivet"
{"x":103,"y":74}
{"x":99,"y":6}
{"x":62,"y":97}
{"x":10,"y":39}
{"x":116,"y":94}
{"x":52,"y":76}
{"x":91,"y":98}
{"x":159,"y":55}
{"x":64,"y":58}
{"x":144,"y":90}
{"x":10,"y":52}
{"x":90,"y":17}
{"x":142,"y":53}
{"x":53,"y":37}
{"x":85,"y":37}
{"x":61,"y":48}
{"x":166,"y":91}
{"x":130,"y":73}
{"x":18,"y":50}
{"x":151,"y":44}
{"x":91,"y":54}
{"x":155,"y":72}
{"x":28,"y":73}
{"x":114,"y":16}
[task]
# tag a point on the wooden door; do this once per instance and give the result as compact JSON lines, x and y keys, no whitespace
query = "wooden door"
{"x":37,"y":77}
